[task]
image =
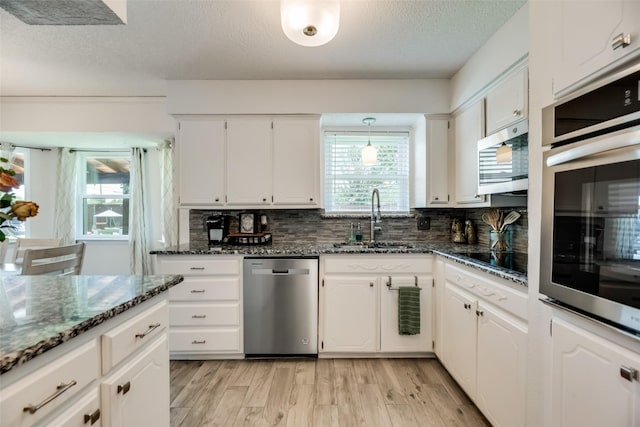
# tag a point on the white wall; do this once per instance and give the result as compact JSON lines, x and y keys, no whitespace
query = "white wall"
{"x":506,"y":47}
{"x":307,"y":96}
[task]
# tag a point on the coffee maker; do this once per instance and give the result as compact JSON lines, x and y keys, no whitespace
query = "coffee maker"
{"x":217,"y":229}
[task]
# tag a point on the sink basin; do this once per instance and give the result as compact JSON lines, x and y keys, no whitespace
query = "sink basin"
{"x":374,"y":245}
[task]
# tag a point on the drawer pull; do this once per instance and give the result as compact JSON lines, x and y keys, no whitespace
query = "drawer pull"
{"x":124,"y":388}
{"x":197,"y":291}
{"x":479,"y":313}
{"x":61,"y":388}
{"x":628,"y":374}
{"x":621,"y":40}
{"x":199,"y":342}
{"x":199,"y":316}
{"x":196,"y":268}
{"x":148,"y":331}
{"x":93,"y":417}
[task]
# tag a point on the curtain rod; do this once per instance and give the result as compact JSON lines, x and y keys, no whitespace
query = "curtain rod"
{"x":29,"y":147}
{"x":86,"y":150}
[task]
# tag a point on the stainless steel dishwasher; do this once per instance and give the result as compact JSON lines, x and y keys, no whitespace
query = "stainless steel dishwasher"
{"x":280,"y":307}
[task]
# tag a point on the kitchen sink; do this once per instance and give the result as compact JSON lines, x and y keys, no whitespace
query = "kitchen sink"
{"x":372,"y":245}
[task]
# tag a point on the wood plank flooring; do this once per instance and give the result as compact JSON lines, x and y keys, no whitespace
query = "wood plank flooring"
{"x":318,"y":392}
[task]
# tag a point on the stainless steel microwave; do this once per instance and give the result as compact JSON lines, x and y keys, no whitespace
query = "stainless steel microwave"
{"x":590,"y":235}
{"x":503,"y":160}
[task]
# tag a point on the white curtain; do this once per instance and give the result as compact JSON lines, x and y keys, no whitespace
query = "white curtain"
{"x":66,"y":186}
{"x":138,"y":233}
{"x":167,"y":197}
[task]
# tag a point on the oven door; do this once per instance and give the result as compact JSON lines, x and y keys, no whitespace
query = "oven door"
{"x":590,"y":249}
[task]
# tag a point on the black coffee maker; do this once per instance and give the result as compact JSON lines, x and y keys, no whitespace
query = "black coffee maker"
{"x":217,"y":229}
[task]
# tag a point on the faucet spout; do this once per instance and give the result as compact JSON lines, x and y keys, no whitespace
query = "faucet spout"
{"x":375,"y":217}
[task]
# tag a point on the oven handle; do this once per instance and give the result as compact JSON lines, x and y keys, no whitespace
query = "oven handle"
{"x":601,"y":144}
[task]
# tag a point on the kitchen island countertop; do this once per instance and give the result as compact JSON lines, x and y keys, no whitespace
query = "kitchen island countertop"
{"x":39,"y":313}
{"x":461,"y":253}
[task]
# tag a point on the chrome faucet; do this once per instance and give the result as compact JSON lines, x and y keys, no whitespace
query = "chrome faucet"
{"x":375,"y":218}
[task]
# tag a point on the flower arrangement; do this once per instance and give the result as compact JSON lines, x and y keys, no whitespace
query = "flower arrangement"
{"x":11,"y":208}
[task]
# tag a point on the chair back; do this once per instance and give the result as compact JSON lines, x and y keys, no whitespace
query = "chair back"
{"x":60,"y":261}
{"x":22,"y":244}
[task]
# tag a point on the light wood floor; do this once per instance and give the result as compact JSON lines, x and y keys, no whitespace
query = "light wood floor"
{"x":318,"y":392}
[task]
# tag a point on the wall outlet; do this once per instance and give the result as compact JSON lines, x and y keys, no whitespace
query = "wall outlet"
{"x":424,"y":223}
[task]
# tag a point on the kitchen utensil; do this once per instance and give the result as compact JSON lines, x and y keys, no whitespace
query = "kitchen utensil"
{"x":510,"y":218}
{"x":492,"y":218}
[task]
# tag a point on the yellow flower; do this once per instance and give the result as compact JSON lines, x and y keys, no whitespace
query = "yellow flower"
{"x":23,"y":210}
{"x":7,"y":182}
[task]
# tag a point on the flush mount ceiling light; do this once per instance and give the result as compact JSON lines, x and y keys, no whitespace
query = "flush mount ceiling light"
{"x":504,"y":153}
{"x":369,"y":153}
{"x":310,"y":22}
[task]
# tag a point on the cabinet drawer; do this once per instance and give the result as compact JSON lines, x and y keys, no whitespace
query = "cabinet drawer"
{"x":80,"y":365}
{"x":123,"y":340}
{"x":379,"y":264}
{"x":490,"y":289}
{"x":199,"y":265}
{"x":223,"y":340}
{"x":203,"y":288}
{"x":88,"y":407}
{"x":190,"y":314}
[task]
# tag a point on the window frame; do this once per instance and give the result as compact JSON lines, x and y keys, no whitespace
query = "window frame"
{"x":81,"y":174}
{"x":410,"y":133}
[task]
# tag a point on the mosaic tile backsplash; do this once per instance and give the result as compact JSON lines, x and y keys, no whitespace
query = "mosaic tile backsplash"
{"x":311,"y":225}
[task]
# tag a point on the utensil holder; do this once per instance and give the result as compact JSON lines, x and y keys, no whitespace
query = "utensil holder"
{"x":501,"y":241}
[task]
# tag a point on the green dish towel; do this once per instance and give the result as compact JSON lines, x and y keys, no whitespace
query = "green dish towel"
{"x":409,"y":310}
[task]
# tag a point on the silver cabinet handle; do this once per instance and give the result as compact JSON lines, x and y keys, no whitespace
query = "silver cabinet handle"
{"x":148,"y":331}
{"x":621,"y":40}
{"x":61,"y":388}
{"x":196,"y":268}
{"x":199,"y":316}
{"x":517,"y":112}
{"x":124,"y":388}
{"x":199,"y":342}
{"x":628,"y":373}
{"x":197,"y":291}
{"x":93,"y":417}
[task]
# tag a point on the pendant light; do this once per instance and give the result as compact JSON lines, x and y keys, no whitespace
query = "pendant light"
{"x":369,"y":153}
{"x":310,"y":22}
{"x":504,"y":154}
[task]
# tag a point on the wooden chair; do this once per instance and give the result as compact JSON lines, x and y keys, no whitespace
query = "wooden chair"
{"x":60,"y":261}
{"x":22,"y":244}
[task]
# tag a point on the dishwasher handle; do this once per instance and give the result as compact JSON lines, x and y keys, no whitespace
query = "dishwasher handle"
{"x":280,"y":272}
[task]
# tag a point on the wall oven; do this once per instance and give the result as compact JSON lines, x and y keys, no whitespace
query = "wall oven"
{"x":590,"y":248}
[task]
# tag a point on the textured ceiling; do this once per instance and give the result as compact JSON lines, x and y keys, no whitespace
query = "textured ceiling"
{"x":241,"y":39}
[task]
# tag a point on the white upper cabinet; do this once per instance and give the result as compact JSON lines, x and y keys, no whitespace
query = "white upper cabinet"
{"x":296,"y":165}
{"x":593,"y":37}
{"x":469,"y":130}
{"x":201,"y":148}
{"x":438,"y":161}
{"x":507,"y":102}
{"x":249,"y":161}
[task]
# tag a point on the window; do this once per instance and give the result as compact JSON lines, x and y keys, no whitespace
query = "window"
{"x":348,"y":184}
{"x":103,"y":195}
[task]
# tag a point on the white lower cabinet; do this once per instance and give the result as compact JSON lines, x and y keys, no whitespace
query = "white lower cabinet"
{"x":483,"y":339}
{"x":594,"y":381}
{"x":132,"y":394}
{"x":206,"y":308}
{"x":359,"y":311}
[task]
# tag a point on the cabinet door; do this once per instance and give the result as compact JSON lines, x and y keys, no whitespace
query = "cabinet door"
{"x":390,"y":339}
{"x":350,"y":314}
{"x":249,"y":161}
{"x":138,"y":393}
{"x":201,"y":147}
{"x":507,"y":102}
{"x":296,"y":176}
{"x":469,"y":130}
{"x":587,"y":386}
{"x":585,"y":35}
{"x":459,"y":337}
{"x":501,"y":387}
{"x":438,"y":154}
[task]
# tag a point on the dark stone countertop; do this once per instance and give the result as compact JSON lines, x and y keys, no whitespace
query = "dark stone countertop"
{"x":38,"y":313}
{"x":512,"y":267}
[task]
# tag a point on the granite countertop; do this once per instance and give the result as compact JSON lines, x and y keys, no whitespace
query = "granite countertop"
{"x":511,"y":267}
{"x":38,"y":313}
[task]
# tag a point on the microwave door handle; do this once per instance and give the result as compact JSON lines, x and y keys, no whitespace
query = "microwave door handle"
{"x":596,"y":146}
